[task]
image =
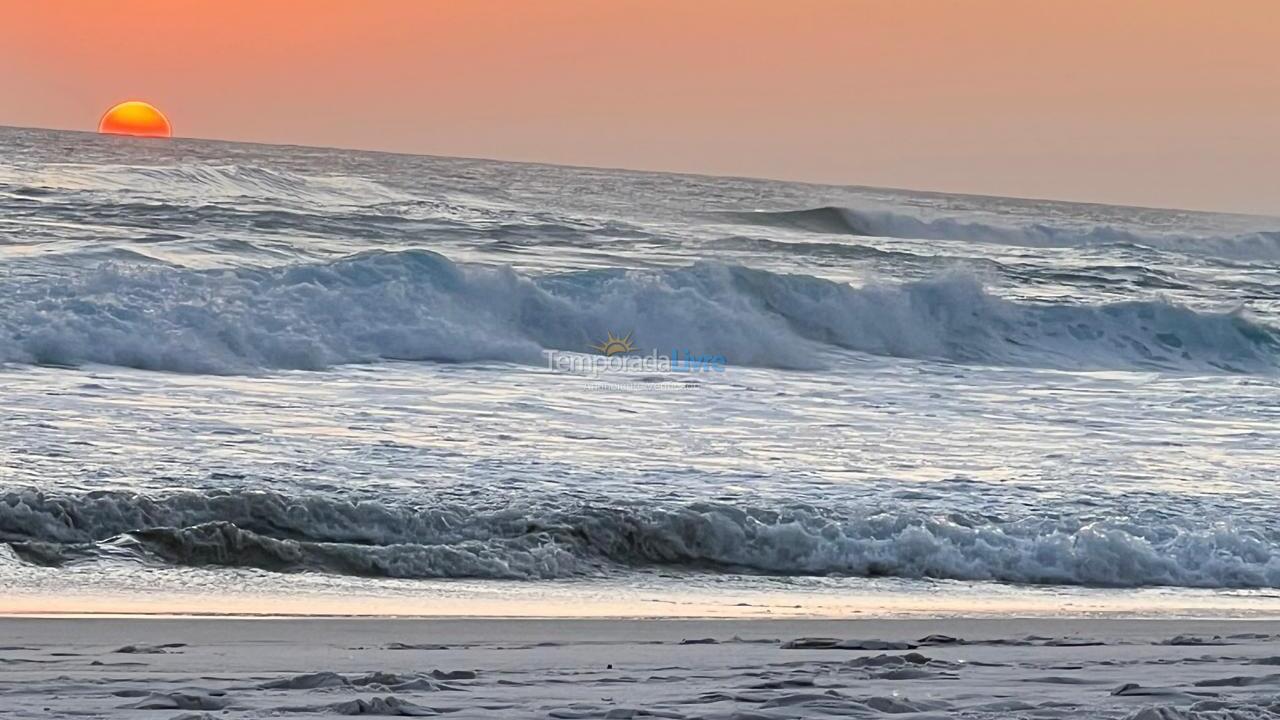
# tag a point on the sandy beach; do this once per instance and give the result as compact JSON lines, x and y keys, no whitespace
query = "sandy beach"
{"x":201,"y":668}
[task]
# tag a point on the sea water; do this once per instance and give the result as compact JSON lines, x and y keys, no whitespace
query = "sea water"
{"x":281,"y":371}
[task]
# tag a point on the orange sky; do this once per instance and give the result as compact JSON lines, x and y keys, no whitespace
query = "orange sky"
{"x":1158,"y":102}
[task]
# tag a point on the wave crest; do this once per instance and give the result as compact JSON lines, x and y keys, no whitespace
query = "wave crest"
{"x":1263,"y":245}
{"x":417,"y":305}
{"x":199,"y":184}
{"x":272,"y":532}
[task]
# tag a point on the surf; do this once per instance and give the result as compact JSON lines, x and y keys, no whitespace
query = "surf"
{"x":1260,"y":245}
{"x":387,"y":538}
{"x":418,"y":305}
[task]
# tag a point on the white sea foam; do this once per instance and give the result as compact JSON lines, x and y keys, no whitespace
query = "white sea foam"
{"x":418,"y":305}
{"x":274,"y":532}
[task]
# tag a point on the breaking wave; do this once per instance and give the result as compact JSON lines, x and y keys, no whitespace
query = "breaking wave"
{"x":273,"y":532}
{"x":198,"y":184}
{"x":418,"y":305}
{"x":1264,"y":245}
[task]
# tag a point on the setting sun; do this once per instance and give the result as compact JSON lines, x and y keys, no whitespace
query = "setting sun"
{"x":135,"y":118}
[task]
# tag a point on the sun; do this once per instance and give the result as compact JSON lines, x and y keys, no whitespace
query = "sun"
{"x":615,"y":345}
{"x":135,"y":118}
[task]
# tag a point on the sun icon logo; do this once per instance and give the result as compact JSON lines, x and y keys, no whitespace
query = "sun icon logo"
{"x":615,"y":345}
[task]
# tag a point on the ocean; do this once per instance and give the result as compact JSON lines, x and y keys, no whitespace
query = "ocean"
{"x":295,"y":374}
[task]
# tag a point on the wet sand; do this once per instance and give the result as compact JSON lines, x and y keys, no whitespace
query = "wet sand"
{"x":204,"y":668}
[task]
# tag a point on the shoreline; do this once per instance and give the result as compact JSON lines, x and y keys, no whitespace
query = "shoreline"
{"x":563,"y":606}
{"x":163,"y":592}
{"x":1115,"y":616}
{"x":972,"y":631}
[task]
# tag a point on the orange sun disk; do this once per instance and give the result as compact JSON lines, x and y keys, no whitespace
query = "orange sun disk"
{"x":135,"y":118}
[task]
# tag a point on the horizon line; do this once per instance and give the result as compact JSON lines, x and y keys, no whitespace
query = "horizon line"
{"x":678,"y":173}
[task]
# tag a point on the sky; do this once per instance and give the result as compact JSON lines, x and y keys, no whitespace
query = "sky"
{"x":1169,"y":103}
